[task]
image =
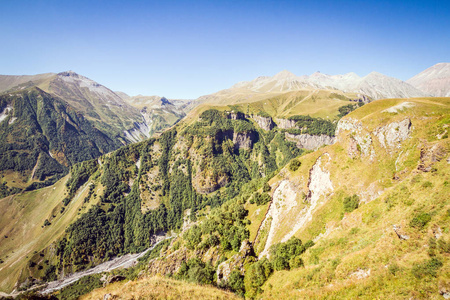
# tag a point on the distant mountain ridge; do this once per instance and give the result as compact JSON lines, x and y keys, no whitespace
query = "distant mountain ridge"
{"x":435,"y":80}
{"x":374,"y":85}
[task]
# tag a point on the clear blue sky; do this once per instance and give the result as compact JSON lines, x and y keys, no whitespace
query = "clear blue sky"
{"x":184,"y":49}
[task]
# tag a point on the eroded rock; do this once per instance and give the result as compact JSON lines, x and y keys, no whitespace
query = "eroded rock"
{"x":310,"y":142}
{"x":237,"y":261}
{"x":392,"y":135}
{"x":286,"y":123}
{"x":266,"y":123}
{"x":244,"y":140}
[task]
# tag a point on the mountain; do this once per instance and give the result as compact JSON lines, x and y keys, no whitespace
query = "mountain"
{"x":434,"y":81}
{"x":98,"y":103}
{"x":374,"y":85}
{"x":159,"y":112}
{"x":365,"y":217}
{"x":52,"y":121}
{"x":9,"y":81}
{"x":127,"y":118}
{"x":42,"y":136}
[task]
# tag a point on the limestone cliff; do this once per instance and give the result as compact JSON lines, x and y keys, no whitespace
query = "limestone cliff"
{"x":310,"y":142}
{"x":266,"y":123}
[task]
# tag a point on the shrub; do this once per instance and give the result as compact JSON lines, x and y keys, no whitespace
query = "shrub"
{"x":296,"y":262}
{"x":427,"y":184}
{"x":281,"y":263}
{"x":261,"y":199}
{"x":351,"y":203}
{"x":394,"y":269}
{"x":236,"y":283}
{"x":266,"y":188}
{"x":427,"y":268}
{"x":294,"y":165}
{"x":443,"y":246}
{"x":195,"y":270}
{"x":420,"y":221}
{"x":255,"y":277}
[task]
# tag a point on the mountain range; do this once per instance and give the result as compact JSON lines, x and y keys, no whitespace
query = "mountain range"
{"x":431,"y":82}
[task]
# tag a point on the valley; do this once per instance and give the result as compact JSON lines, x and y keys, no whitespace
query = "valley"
{"x":282,"y":187}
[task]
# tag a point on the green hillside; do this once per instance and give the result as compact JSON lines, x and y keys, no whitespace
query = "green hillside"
{"x":366,"y":217}
{"x":146,"y":188}
{"x":41,"y":137}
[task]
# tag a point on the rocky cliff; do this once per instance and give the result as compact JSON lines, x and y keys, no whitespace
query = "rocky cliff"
{"x":310,"y":142}
{"x":285,"y":123}
{"x":266,"y":123}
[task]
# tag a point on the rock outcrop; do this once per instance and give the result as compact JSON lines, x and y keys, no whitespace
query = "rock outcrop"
{"x":391,"y":135}
{"x":235,"y":115}
{"x":284,"y":203}
{"x":285,"y":123}
{"x":429,"y":155}
{"x":360,"y":141}
{"x":237,"y":261}
{"x":266,"y":123}
{"x":284,"y":199}
{"x":244,"y":140}
{"x":310,"y":142}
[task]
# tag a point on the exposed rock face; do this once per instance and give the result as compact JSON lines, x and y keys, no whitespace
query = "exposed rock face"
{"x":170,"y":264}
{"x":360,"y":139}
{"x":285,"y":123}
{"x":266,"y":123}
{"x":319,"y":185}
{"x":430,"y":155}
{"x":319,"y":181}
{"x":360,"y":273}
{"x":399,"y":235}
{"x":235,"y":115}
{"x":235,"y":262}
{"x":310,"y":142}
{"x":244,"y":140}
{"x":391,"y":135}
{"x":139,"y":132}
{"x":285,"y":200}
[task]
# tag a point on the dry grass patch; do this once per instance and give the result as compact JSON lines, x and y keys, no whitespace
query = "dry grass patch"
{"x":158,"y":288}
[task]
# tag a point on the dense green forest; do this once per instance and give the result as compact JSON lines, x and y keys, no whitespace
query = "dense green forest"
{"x":42,"y":137}
{"x":312,"y":126}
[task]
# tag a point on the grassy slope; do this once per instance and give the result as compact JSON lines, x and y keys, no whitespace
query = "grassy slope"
{"x":159,"y":288}
{"x":319,"y":103}
{"x":22,"y":224}
{"x":364,"y":239}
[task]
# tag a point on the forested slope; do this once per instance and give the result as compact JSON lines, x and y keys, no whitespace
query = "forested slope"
{"x":41,"y":137}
